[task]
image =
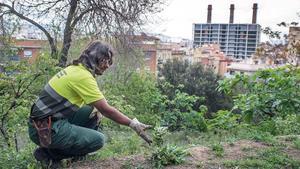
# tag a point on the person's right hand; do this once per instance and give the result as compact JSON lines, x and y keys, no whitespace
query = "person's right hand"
{"x":140,"y":128}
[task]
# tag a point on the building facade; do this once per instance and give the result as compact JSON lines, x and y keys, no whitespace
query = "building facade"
{"x":236,"y":40}
{"x":29,"y":49}
{"x":210,"y":56}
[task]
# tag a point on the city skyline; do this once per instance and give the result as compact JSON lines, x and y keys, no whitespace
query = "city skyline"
{"x":178,"y":17}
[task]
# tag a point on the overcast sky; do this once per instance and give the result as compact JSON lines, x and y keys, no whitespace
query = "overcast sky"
{"x":178,"y":17}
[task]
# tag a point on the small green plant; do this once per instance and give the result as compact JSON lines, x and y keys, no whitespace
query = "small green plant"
{"x":231,"y":141}
{"x":165,"y":154}
{"x":168,"y":155}
{"x":218,"y":149}
{"x":158,"y":135}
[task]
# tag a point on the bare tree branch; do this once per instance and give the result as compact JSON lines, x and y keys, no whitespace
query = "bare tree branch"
{"x":50,"y":39}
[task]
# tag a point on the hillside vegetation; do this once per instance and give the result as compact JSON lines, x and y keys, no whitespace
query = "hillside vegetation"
{"x":256,"y":125}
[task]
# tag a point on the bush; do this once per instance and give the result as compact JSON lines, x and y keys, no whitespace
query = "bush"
{"x":20,"y":83}
{"x":223,"y":120}
{"x":179,"y":113}
{"x":287,"y":126}
{"x":136,"y":97}
{"x":267,"y":93}
{"x":9,"y":158}
{"x":193,"y":79}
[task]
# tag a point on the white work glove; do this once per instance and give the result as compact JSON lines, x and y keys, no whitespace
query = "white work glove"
{"x":140,"y":128}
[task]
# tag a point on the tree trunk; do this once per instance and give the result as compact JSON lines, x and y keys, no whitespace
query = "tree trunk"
{"x":6,"y":139}
{"x":68,"y":34}
{"x":16,"y":142}
{"x":65,"y":49}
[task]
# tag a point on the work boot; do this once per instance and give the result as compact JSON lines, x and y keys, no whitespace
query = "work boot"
{"x":42,"y":155}
{"x":78,"y":158}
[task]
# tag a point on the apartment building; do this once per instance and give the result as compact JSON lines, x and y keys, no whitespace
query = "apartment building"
{"x":236,"y":40}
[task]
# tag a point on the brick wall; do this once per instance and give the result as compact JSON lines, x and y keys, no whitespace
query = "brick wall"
{"x":30,"y":48}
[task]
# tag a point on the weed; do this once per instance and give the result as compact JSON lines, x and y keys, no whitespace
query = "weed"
{"x":218,"y":150}
{"x":165,"y":154}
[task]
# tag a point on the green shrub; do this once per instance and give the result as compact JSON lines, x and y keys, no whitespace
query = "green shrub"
{"x":192,"y":79}
{"x":223,"y":120}
{"x":20,"y":83}
{"x":9,"y":158}
{"x":136,"y":96}
{"x":267,"y":126}
{"x":179,"y":113}
{"x":194,"y":121}
{"x":267,"y":93}
{"x":288,"y":125}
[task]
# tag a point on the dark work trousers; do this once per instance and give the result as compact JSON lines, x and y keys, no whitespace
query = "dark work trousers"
{"x":75,"y":136}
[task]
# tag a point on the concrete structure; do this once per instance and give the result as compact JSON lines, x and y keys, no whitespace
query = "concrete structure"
{"x":210,"y":56}
{"x":237,"y":40}
{"x":249,"y":66}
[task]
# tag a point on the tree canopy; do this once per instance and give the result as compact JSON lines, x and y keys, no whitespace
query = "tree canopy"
{"x":92,"y":17}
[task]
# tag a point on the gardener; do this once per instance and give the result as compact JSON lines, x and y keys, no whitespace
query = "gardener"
{"x":60,"y":124}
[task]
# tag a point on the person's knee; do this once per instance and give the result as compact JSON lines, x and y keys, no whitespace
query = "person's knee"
{"x":99,"y":141}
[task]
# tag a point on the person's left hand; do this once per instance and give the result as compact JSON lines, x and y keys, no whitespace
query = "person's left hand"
{"x":140,"y":128}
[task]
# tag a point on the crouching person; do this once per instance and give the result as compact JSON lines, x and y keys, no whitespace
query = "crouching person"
{"x":63,"y":121}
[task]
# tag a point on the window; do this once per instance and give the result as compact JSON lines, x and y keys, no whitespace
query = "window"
{"x":215,"y":26}
{"x":27,"y":53}
{"x":148,"y":55}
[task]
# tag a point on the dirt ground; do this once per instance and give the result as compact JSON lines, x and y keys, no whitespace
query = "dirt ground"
{"x":199,"y":157}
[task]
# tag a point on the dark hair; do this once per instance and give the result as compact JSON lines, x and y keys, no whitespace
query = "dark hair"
{"x":93,"y":54}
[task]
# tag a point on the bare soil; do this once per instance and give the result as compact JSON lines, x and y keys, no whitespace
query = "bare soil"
{"x":199,"y":157}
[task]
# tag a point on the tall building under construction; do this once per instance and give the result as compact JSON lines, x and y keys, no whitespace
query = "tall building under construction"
{"x":236,"y":40}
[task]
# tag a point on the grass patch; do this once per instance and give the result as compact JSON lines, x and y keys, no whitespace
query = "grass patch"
{"x":120,"y":143}
{"x":268,"y":158}
{"x":297,"y":143}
